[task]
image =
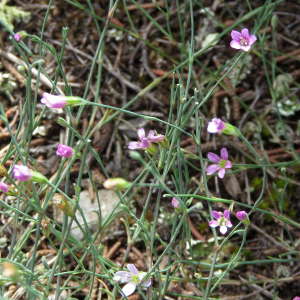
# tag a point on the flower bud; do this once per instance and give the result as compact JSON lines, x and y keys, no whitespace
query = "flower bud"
{"x":10,"y":270}
{"x":45,"y":227}
{"x":175,"y":203}
{"x":63,"y":205}
{"x":23,"y":173}
{"x":21,"y":35}
{"x":217,"y":125}
{"x":243,"y":217}
{"x":4,"y":187}
{"x":116,"y":184}
{"x":274,"y":21}
{"x":3,"y":171}
{"x":64,"y":151}
{"x":58,"y":101}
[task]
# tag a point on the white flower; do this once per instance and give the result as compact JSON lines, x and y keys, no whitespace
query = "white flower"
{"x":133,"y":277}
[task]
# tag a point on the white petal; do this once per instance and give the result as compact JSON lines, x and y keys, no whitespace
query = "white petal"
{"x":147,"y":283}
{"x":129,"y":288}
{"x":223,"y":229}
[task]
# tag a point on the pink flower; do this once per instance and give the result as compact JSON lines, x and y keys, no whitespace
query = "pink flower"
{"x":242,"y":40}
{"x":296,"y":298}
{"x":175,"y":203}
{"x":222,"y":163}
{"x":4,"y":187}
{"x":64,"y":150}
{"x":133,"y":277}
{"x":22,"y":173}
{"x":216,"y":125}
{"x":242,"y":215}
{"x":145,"y":143}
{"x":18,"y":37}
{"x":222,"y":220}
{"x":58,"y":101}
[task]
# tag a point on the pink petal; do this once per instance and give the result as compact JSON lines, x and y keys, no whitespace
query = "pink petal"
{"x":223,"y":229}
{"x":213,"y":157}
{"x":129,"y":289}
{"x":212,"y":169}
{"x":226,"y":214}
{"x":132,"y":269}
{"x":215,"y":214}
{"x":213,"y":223}
{"x":228,"y":165}
{"x":145,"y":143}
{"x":252,"y":40}
{"x":134,"y":145}
{"x":245,"y":48}
{"x":236,"y":36}
{"x":151,"y":134}
{"x":224,"y":153}
{"x":245,"y":33}
{"x":229,"y":224}
{"x":235,"y":45}
{"x":221,"y":173}
{"x":141,"y":133}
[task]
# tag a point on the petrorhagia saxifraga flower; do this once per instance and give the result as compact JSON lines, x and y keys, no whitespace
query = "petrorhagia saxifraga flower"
{"x":242,"y":40}
{"x":146,"y":142}
{"x":132,"y":278}
{"x":222,"y":220}
{"x":23,"y":173}
{"x":217,"y":125}
{"x":64,"y":151}
{"x":58,"y":101}
{"x":222,"y":163}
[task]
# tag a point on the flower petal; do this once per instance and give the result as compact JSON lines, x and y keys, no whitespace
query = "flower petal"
{"x":151,"y":134}
{"x":129,"y":289}
{"x":212,"y":169}
{"x":132,"y":269}
{"x":215,"y":214}
{"x":223,"y":229}
{"x":124,"y":276}
{"x":252,"y":40}
{"x":236,"y":36}
{"x":213,"y":157}
{"x":224,"y":153}
{"x":141,"y":133}
{"x":235,"y":44}
{"x":147,"y":283}
{"x":229,"y":224}
{"x":221,"y":173}
{"x":228,"y":164}
{"x":245,"y":48}
{"x":213,"y":223}
{"x":145,"y":143}
{"x":134,"y":145}
{"x":245,"y":33}
{"x":226,"y":214}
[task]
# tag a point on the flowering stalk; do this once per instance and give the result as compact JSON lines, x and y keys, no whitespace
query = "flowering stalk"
{"x":58,"y":101}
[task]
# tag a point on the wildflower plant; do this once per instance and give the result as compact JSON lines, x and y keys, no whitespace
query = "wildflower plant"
{"x":103,"y":103}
